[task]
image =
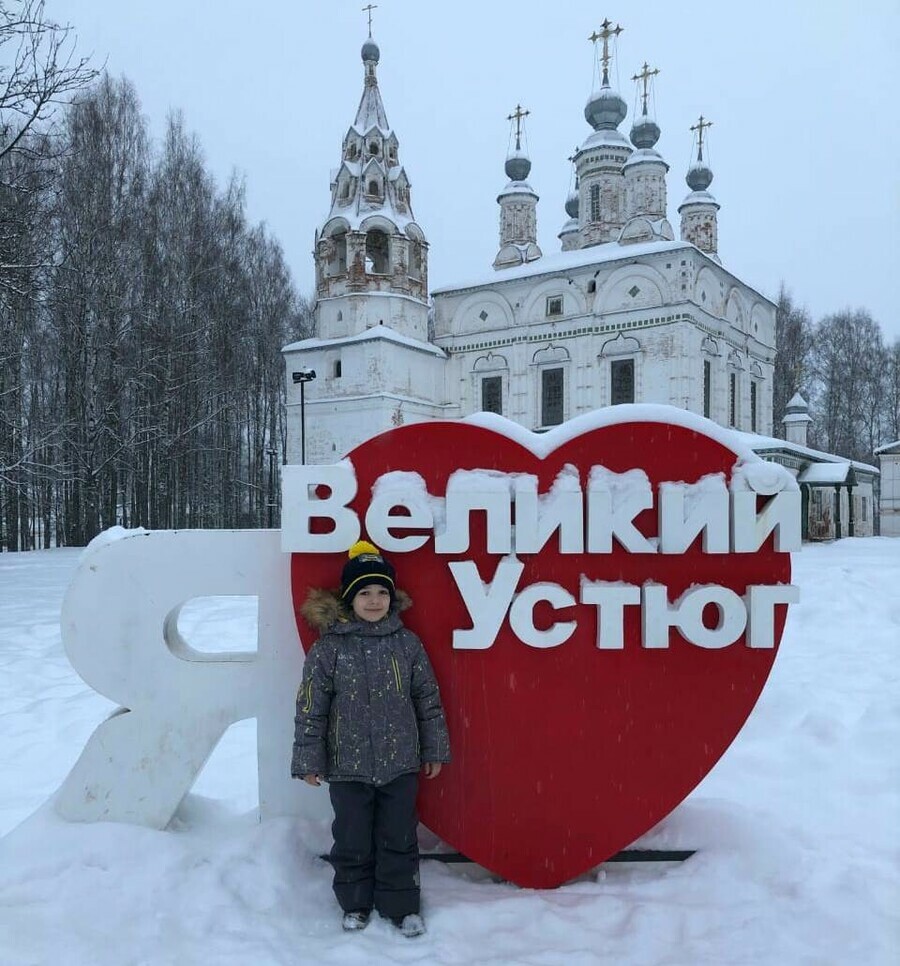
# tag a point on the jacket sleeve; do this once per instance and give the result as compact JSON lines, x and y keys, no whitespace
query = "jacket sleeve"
{"x":434,"y":740}
{"x":310,"y":755}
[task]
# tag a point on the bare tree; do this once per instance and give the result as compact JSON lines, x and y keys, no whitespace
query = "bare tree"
{"x":39,"y":71}
{"x":793,"y":340}
{"x":848,"y":368}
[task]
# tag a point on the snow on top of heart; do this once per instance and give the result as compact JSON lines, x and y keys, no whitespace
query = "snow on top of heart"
{"x":541,"y":444}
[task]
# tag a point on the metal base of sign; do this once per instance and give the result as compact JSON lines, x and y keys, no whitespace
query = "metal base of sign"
{"x":626,"y":855}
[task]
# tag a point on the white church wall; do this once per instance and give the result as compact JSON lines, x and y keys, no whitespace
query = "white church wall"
{"x":890,"y":494}
{"x":348,"y":315}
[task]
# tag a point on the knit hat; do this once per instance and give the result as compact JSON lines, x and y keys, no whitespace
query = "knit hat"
{"x":365,"y":566}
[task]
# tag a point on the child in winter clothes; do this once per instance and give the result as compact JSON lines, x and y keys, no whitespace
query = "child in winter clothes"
{"x":369,"y":717}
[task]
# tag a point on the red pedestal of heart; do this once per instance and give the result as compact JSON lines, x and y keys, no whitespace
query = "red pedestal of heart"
{"x":564,"y":756}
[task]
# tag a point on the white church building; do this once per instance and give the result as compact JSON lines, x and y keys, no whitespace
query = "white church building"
{"x":624,"y":312}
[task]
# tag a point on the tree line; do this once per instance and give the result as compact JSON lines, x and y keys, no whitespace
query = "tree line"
{"x":846,"y":371}
{"x":141,"y":316}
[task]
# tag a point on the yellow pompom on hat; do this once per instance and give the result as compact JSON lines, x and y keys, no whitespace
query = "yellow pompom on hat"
{"x":365,"y":566}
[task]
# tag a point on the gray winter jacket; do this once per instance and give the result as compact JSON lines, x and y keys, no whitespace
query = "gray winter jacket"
{"x":368,"y":708}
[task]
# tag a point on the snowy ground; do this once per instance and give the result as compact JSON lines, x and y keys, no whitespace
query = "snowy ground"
{"x":798,"y":827}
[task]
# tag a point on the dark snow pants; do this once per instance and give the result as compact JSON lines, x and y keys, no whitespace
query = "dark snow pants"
{"x":375,"y":853}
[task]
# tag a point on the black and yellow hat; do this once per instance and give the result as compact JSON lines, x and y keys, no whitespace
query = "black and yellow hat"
{"x":365,"y":566}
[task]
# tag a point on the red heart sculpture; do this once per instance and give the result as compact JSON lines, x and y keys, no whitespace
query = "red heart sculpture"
{"x":563,"y":756}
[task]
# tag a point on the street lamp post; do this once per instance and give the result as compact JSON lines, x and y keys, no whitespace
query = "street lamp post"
{"x":272,"y":453}
{"x":303,"y":376}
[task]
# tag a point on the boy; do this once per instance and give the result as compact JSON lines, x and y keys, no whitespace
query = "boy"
{"x":369,"y":716}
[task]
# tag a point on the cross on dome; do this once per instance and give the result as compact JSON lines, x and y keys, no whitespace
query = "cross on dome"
{"x":645,"y":76}
{"x":699,"y":127}
{"x":368,"y":10}
{"x":604,"y":35}
{"x":518,"y":117}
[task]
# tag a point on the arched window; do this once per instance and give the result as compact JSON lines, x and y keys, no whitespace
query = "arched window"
{"x":377,"y":252}
{"x":595,"y":202}
{"x":415,"y":258}
{"x":374,"y":188}
{"x":337,"y":256}
{"x":373,"y":148}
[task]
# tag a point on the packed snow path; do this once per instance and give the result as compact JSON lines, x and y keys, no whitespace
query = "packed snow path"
{"x":797,"y":827}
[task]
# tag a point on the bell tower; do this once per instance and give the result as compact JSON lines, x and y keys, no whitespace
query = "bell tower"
{"x":370,"y":243}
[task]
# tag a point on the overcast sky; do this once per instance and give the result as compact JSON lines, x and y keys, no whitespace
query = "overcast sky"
{"x":802,"y":94}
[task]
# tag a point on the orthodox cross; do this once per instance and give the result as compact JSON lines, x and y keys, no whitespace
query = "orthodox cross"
{"x":368,"y":10}
{"x":645,"y":76}
{"x":699,"y":126}
{"x":604,"y":35}
{"x":572,"y":158}
{"x":518,"y":117}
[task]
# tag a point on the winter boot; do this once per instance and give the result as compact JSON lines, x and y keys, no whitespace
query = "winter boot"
{"x":356,"y":920}
{"x":411,"y":926}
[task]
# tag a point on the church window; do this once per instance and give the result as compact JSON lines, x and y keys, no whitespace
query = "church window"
{"x":707,"y":388}
{"x":551,"y":397}
{"x":634,"y":291}
{"x":374,"y":188}
{"x":415,"y":259}
{"x":336,"y":371}
{"x":732,"y":399}
{"x":753,"y":408}
{"x":491,"y":394}
{"x":592,"y":286}
{"x":337,"y":255}
{"x":377,"y":248}
{"x":373,"y":148}
{"x":621,"y":381}
{"x":483,"y":315}
{"x":345,"y":190}
{"x":555,"y":305}
{"x":864,"y":510}
{"x":340,"y":317}
{"x":595,"y":202}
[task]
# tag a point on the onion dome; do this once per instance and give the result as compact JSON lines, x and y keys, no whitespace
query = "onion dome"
{"x":645,"y":132}
{"x":572,"y":204}
{"x":699,"y":176}
{"x":370,"y":51}
{"x":605,"y":110}
{"x":518,"y":165}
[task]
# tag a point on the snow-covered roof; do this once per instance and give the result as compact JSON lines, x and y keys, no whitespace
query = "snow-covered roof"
{"x":796,"y":418}
{"x":384,"y":332}
{"x":355,"y":214}
{"x":761,"y":444}
{"x":699,"y":198}
{"x":517,"y":188}
{"x":643,"y":156}
{"x":825,"y":473}
{"x":607,"y":137}
{"x":371,"y":113}
{"x":889,"y":448}
{"x":565,"y":261}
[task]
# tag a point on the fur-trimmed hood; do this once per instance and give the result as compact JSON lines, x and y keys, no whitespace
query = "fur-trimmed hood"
{"x":324,"y":608}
